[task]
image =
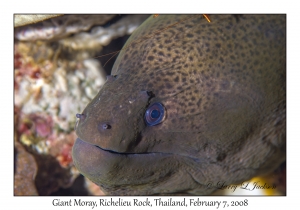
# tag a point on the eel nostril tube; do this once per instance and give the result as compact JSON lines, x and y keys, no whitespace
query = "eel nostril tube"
{"x":80,"y":116}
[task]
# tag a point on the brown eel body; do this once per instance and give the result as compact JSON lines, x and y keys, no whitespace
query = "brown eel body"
{"x":221,"y":89}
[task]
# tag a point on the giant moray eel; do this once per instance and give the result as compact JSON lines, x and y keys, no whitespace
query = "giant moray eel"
{"x":195,"y":103}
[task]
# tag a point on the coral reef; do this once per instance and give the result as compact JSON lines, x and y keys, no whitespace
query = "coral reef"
{"x":58,"y":27}
{"x":21,"y":20}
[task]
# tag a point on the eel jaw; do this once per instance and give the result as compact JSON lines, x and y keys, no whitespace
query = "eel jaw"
{"x":135,"y":174}
{"x":87,"y":158}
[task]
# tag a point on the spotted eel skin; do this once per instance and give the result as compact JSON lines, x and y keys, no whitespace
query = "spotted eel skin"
{"x":219,"y":89}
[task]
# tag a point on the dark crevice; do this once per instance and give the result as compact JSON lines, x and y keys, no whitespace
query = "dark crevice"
{"x":113,"y":20}
{"x":109,"y":60}
{"x":78,"y":188}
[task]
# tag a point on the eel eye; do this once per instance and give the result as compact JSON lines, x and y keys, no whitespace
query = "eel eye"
{"x":155,"y":114}
{"x":106,"y":126}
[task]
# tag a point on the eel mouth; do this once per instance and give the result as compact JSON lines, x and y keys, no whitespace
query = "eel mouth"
{"x":106,"y":166}
{"x":93,"y":159}
{"x":138,"y":173}
{"x":112,"y":152}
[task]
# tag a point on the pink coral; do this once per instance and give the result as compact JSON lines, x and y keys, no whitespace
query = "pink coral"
{"x":43,"y":124}
{"x":61,"y":148}
{"x":36,"y":124}
{"x":65,"y":157}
